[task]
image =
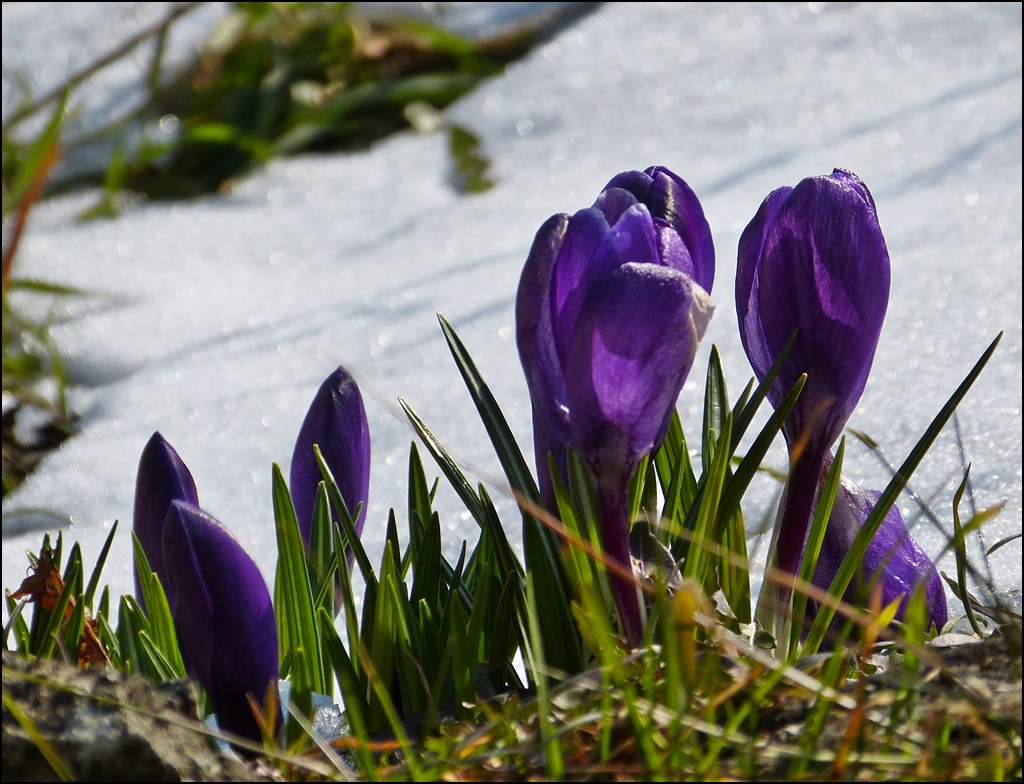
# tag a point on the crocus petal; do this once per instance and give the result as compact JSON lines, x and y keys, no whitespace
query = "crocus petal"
{"x":587,"y":252}
{"x":613,"y":202}
{"x":336,"y":422}
{"x":637,"y":335}
{"x":670,"y":199}
{"x":821,"y":268}
{"x":162,"y":478}
{"x":533,"y":286}
{"x":224,"y":616}
{"x":904,"y":565}
{"x":674,"y":201}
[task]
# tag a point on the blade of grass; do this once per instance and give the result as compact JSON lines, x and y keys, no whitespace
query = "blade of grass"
{"x":822,"y":515}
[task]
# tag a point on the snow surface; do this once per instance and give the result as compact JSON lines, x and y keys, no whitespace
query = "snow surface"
{"x":216,"y":320}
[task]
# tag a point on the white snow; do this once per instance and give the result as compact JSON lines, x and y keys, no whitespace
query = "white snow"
{"x":215,"y":320}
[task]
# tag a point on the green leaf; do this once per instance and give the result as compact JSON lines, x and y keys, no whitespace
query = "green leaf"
{"x":352,"y":694}
{"x":130,"y":621}
{"x":716,"y":405}
{"x":699,"y":557}
{"x":162,"y":669}
{"x":419,"y":500}
{"x":72,"y":586}
{"x":158,"y":611}
{"x":293,"y":599}
{"x":94,"y":578}
{"x":427,"y":574}
{"x":738,"y":483}
{"x":382,"y":644}
{"x":463,"y":662}
{"x":346,"y":517}
{"x":554,"y":764}
{"x":960,"y":549}
{"x":888,"y":497}
{"x":73,"y":631}
{"x":321,"y":538}
{"x":822,"y":515}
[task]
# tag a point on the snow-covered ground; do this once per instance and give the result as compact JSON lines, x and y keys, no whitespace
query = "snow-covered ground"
{"x":216,"y":320}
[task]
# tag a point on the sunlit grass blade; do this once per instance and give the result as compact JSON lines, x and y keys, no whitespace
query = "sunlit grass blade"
{"x":739,"y":482}
{"x":53,"y":759}
{"x":163,"y":670}
{"x":356,"y":709}
{"x":383,"y":641}
{"x":716,"y":405}
{"x":158,"y":611}
{"x":960,"y":550}
{"x":697,"y":555}
{"x":815,"y":537}
{"x":554,"y":764}
{"x":420,"y":509}
{"x":72,"y":587}
{"x":346,"y":517}
{"x":293,"y":599}
{"x":94,"y":578}
{"x":73,"y":631}
{"x":540,"y":545}
{"x":16,"y":622}
{"x":427,"y":569}
{"x":888,"y":497}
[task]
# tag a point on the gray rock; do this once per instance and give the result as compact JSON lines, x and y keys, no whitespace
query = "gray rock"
{"x":106,"y":726}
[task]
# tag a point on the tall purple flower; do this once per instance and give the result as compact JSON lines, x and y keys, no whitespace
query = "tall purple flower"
{"x":612,"y":304}
{"x":813,"y":263}
{"x":336,"y":422}
{"x":223,"y":615}
{"x":162,"y":478}
{"x":899,"y":561}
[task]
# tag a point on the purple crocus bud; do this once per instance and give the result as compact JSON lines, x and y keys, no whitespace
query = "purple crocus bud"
{"x":223,"y":615}
{"x":893,"y":554}
{"x":812,"y":262}
{"x":162,"y":478}
{"x":612,"y":304}
{"x":336,"y":422}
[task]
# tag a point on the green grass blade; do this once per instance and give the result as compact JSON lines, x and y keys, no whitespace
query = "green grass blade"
{"x":356,"y":709}
{"x":888,"y":497}
{"x":345,"y":517}
{"x":72,"y":586}
{"x":738,"y":483}
{"x":511,"y":458}
{"x":960,"y":551}
{"x":822,"y":515}
{"x":554,"y":764}
{"x":427,"y":571}
{"x":698,"y":557}
{"x":294,"y":597}
{"x":52,"y":758}
{"x":73,"y":631}
{"x":94,"y":578}
{"x":163,"y":670}
{"x":419,"y":499}
{"x":158,"y":611}
{"x":716,"y":405}
{"x":382,"y":643}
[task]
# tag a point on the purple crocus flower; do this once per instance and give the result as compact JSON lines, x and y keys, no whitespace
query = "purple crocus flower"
{"x":223,"y":615}
{"x":893,"y":554}
{"x":612,"y":304}
{"x":336,"y":422}
{"x":812,"y":262}
{"x":162,"y":478}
